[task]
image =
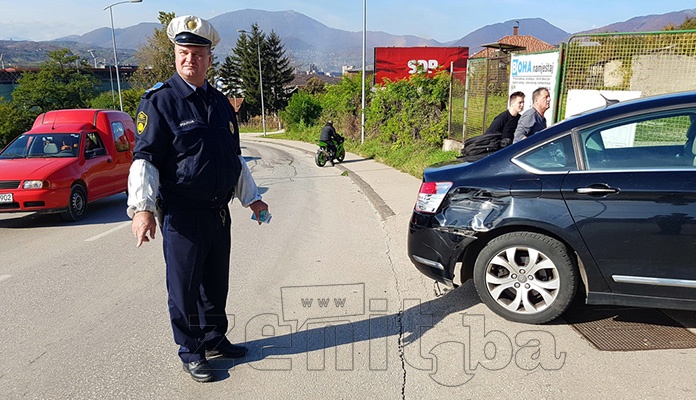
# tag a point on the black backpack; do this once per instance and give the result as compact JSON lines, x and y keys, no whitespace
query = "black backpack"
{"x":477,"y":147}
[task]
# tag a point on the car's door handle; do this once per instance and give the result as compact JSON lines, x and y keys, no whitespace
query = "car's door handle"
{"x":597,"y":190}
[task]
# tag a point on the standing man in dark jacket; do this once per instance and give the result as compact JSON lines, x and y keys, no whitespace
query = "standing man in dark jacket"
{"x":188,"y":166}
{"x":505,"y":123}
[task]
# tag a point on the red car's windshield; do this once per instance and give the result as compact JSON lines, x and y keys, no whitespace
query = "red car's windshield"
{"x":43,"y":146}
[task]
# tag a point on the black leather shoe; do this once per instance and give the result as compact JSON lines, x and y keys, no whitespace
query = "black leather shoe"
{"x":225,"y":349}
{"x":199,"y":370}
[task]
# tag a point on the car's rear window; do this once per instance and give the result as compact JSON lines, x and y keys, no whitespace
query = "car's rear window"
{"x":556,"y":155}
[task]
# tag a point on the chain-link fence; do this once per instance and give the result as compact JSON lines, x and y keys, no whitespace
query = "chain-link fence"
{"x":485,"y":94}
{"x":650,"y":63}
{"x":457,"y":97}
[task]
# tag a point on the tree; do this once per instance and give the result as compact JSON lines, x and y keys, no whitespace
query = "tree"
{"x":63,"y":81}
{"x":131,"y":99}
{"x":690,"y":23}
{"x":156,"y":58}
{"x":303,"y":110}
{"x":240,"y":71}
{"x":315,"y":86}
{"x":13,"y":121}
{"x":342,"y":103}
{"x":280,"y":73}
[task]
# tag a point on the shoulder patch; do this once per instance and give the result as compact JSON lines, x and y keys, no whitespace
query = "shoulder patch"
{"x":153,"y":89}
{"x":141,"y":122}
{"x":157,"y":86}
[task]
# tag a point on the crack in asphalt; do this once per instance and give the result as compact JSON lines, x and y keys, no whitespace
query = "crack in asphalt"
{"x":285,"y":160}
{"x":291,"y":164}
{"x":37,"y":357}
{"x":400,"y":314}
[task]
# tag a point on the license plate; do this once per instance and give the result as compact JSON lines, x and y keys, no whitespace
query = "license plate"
{"x":6,"y":198}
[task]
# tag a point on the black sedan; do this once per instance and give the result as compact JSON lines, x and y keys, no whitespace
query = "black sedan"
{"x":604,"y":201}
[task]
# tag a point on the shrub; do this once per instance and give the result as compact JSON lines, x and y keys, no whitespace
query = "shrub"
{"x":409,"y":111}
{"x":303,"y":110}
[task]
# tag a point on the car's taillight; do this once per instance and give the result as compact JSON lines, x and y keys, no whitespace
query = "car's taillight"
{"x":430,"y":196}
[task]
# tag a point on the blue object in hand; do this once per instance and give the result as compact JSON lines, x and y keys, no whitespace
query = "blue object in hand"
{"x":264,"y":215}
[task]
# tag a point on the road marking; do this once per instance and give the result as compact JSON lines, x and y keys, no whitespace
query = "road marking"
{"x":110,"y":231}
{"x":3,"y":277}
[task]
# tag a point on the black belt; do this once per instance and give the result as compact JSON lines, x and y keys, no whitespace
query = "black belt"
{"x":179,"y":201}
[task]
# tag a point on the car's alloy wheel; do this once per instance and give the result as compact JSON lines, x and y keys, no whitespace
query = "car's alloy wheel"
{"x":77,"y":204}
{"x":526,"y":277}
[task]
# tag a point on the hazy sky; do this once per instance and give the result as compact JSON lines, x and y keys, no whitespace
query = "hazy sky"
{"x":442,"y":20}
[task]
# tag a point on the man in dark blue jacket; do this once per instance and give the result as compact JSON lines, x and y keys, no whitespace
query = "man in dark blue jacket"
{"x":505,"y":123}
{"x":187,"y":167}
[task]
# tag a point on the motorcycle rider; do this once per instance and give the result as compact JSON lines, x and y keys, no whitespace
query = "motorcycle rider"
{"x":330,"y":137}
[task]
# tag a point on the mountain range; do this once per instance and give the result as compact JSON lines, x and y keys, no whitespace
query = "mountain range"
{"x":308,"y":42}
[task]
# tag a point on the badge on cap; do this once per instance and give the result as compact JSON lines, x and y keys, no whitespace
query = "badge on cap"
{"x":190,"y":30}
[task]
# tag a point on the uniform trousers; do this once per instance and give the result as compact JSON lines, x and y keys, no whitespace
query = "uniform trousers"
{"x":197,"y":254}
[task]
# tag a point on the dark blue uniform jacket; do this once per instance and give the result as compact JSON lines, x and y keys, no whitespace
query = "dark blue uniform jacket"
{"x":190,"y":144}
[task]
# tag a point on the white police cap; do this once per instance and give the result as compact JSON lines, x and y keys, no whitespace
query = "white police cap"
{"x":190,"y":30}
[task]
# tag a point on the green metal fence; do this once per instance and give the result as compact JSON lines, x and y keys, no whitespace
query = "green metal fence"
{"x":648,"y":62}
{"x":485,"y":94}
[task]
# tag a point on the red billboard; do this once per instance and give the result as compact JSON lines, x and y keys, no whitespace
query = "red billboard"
{"x":396,"y":63}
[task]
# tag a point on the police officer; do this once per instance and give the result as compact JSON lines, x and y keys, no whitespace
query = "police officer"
{"x":187,"y":167}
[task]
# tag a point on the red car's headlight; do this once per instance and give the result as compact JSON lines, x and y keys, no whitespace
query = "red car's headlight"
{"x":35,"y":184}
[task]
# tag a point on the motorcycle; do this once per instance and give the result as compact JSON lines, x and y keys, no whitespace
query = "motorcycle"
{"x":324,"y":155}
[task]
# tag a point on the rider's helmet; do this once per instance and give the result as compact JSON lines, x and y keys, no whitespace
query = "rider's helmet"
{"x":329,"y":122}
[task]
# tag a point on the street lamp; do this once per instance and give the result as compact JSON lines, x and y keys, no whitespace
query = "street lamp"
{"x":111,"y":79}
{"x":91,"y":52}
{"x":113,"y":40}
{"x":362,"y":113}
{"x":263,"y":110}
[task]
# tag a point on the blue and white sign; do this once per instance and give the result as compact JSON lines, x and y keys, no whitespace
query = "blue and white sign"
{"x":531,"y":71}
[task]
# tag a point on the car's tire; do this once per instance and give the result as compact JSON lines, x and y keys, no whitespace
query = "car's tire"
{"x":505,"y":283}
{"x":341,"y":155}
{"x":320,"y":158}
{"x":77,"y":204}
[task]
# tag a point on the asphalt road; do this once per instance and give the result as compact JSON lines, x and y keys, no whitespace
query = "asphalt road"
{"x":324,"y":296}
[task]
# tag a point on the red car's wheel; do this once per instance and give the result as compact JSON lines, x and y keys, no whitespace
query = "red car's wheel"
{"x":77,"y":204}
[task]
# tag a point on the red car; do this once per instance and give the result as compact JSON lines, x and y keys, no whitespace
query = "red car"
{"x":67,"y":159}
